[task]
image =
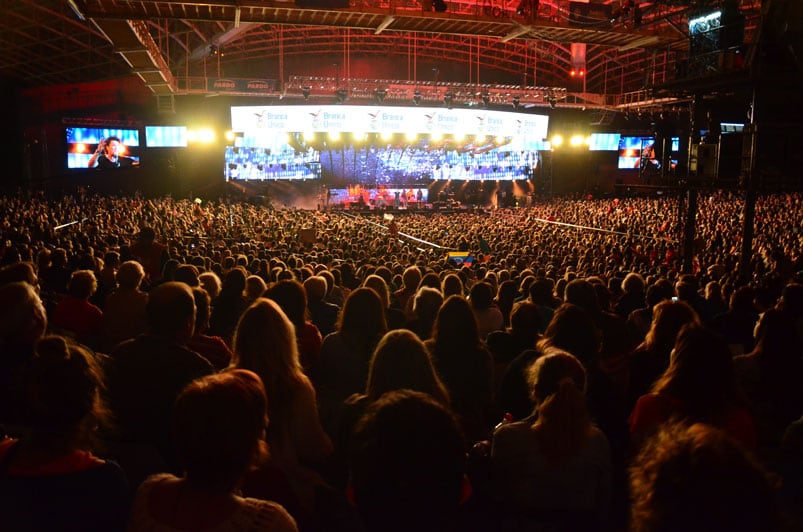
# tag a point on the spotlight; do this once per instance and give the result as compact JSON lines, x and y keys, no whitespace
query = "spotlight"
{"x":557,"y":140}
{"x":305,"y":90}
{"x":417,"y":97}
{"x":577,"y":140}
{"x":206,"y":135}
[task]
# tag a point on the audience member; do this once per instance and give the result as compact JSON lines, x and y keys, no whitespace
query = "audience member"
{"x":50,"y":480}
{"x":554,"y":468}
{"x":489,"y":317}
{"x":124,"y":309}
{"x":229,"y":305}
{"x":426,"y":304}
{"x":651,"y":358}
{"x":74,"y":315}
{"x":265,"y":343}
{"x":407,"y":465}
{"x":400,"y":361}
{"x":23,"y":321}
{"x":342,"y":368}
{"x":148,"y":372}
{"x":697,"y":478}
{"x":772,"y":375}
{"x":323,"y":314}
{"x":465,"y":366}
{"x":395,"y":317}
{"x":151,"y":254}
{"x":292,"y":298}
{"x":212,"y":348}
{"x":218,"y":423}
{"x":697,"y":387}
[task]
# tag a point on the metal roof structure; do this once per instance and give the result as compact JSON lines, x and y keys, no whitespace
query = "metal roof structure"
{"x":528,"y":43}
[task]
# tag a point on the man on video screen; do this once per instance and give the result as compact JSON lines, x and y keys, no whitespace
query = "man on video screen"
{"x":108,"y":155}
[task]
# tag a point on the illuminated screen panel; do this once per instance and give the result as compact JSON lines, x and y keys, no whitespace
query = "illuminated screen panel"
{"x":82,"y":145}
{"x":633,"y":150}
{"x":166,"y":136}
{"x":383,"y":145}
{"x":604,"y":142}
{"x":726,"y":128}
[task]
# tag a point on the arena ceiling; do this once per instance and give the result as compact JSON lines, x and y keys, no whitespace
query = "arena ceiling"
{"x":169,"y":43}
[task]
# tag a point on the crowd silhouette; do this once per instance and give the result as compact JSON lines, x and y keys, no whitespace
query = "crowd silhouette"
{"x":168,"y":364}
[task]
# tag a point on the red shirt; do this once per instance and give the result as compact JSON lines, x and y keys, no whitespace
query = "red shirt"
{"x":74,"y":461}
{"x":654,"y":409}
{"x":80,"y":317}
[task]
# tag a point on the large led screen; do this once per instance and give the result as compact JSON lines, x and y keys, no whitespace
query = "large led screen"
{"x":102,"y":148}
{"x":382,"y":145}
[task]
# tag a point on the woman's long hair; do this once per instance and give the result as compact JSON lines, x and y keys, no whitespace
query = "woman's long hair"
{"x":265,"y":343}
{"x":455,"y":326}
{"x":362,"y":320}
{"x":667,"y":320}
{"x":292,"y":298}
{"x":401,"y":361}
{"x":572,"y":329}
{"x":700,"y":375}
{"x":557,"y":380}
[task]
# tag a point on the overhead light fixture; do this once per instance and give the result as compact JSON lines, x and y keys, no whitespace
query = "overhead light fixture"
{"x":518,"y":32}
{"x":387,"y":21}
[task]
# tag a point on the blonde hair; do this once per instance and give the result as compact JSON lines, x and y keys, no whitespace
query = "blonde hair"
{"x":265,"y":343}
{"x":558,"y":380}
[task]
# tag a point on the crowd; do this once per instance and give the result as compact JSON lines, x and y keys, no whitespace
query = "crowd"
{"x":172,"y":364}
